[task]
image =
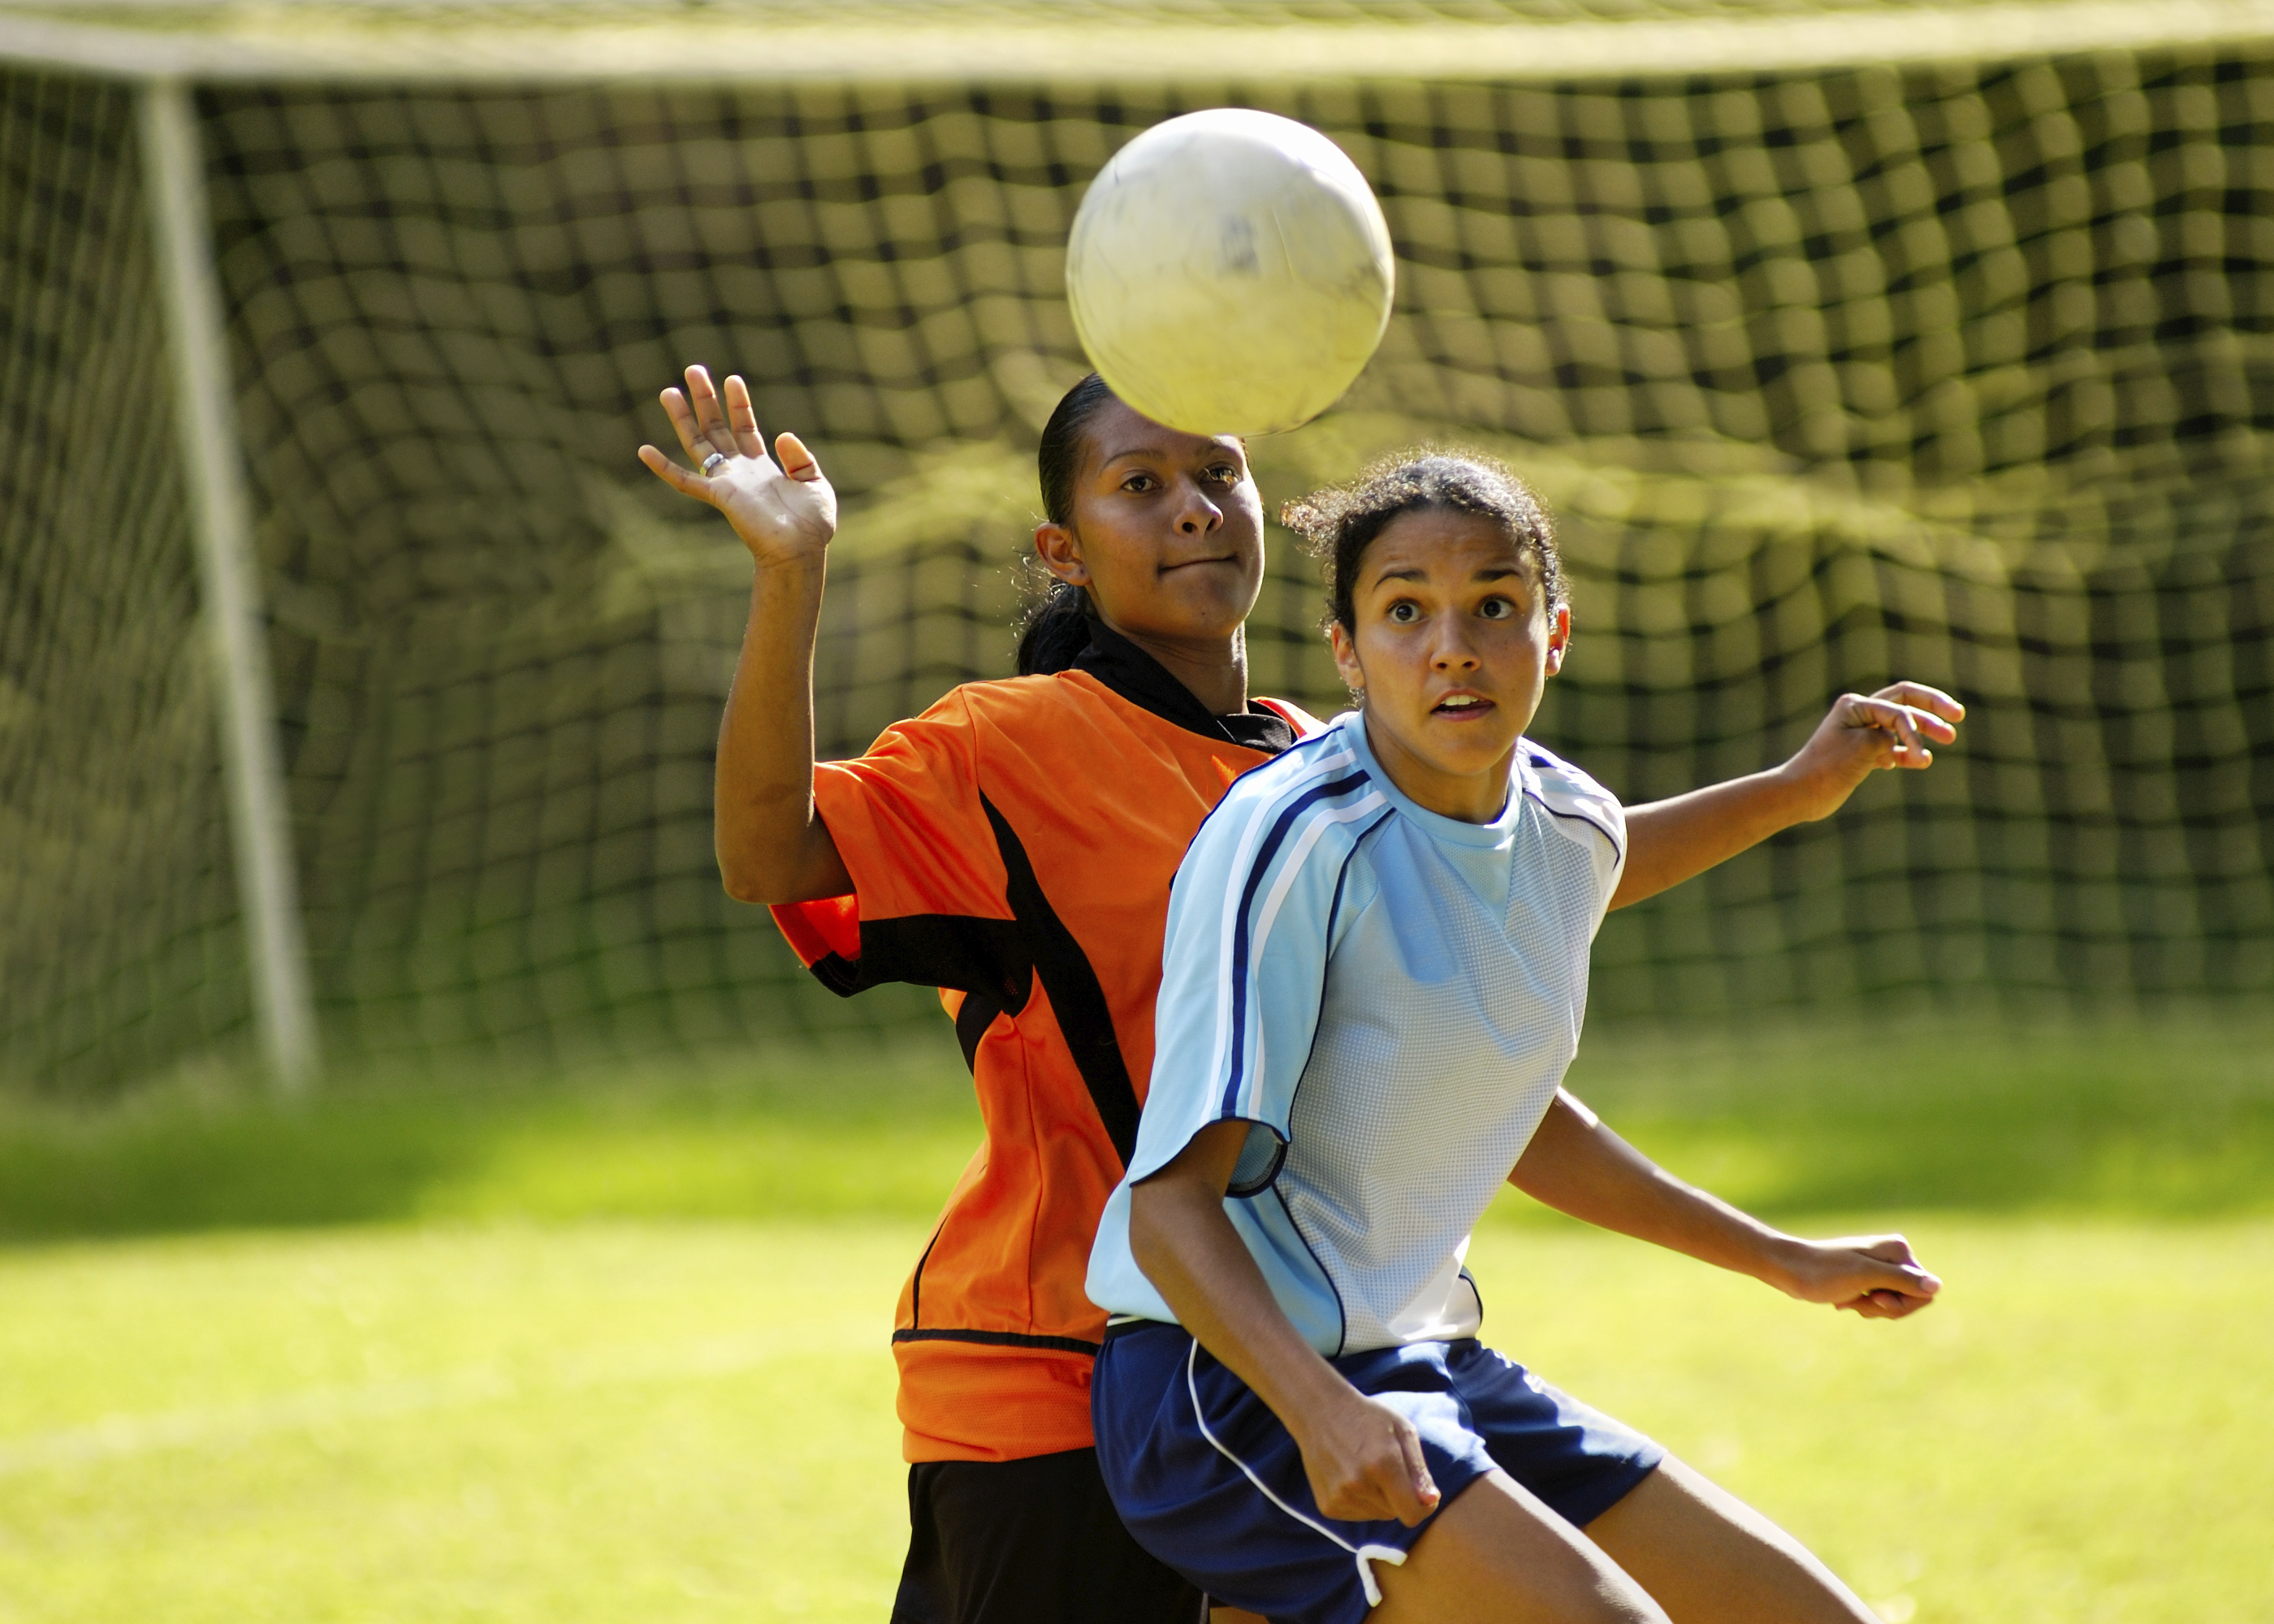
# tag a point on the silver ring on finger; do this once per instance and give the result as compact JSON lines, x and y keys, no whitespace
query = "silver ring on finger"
{"x":713,"y":463}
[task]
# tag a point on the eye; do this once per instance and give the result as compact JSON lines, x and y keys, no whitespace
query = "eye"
{"x":1138,"y":483}
{"x":1405,"y":612}
{"x":1496,"y":609}
{"x":1224,"y":473}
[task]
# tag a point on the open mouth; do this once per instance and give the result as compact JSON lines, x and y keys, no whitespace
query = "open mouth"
{"x":1461,"y":705}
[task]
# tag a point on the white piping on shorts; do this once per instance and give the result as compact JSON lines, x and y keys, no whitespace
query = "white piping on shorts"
{"x":1364,"y":1555}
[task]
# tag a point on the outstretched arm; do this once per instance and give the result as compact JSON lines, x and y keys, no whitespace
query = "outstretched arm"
{"x":1362,"y":1458}
{"x":1576,"y":1165}
{"x":771,"y":846}
{"x":1670,"y":841}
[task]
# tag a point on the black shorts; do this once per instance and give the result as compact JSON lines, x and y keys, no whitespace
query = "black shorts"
{"x":1029,"y":1542}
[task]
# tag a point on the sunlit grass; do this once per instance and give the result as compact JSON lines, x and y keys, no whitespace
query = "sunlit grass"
{"x":692,"y":1420}
{"x":610,"y":1347}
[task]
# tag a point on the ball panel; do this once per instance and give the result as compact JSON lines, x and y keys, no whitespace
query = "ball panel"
{"x":1230,"y":271}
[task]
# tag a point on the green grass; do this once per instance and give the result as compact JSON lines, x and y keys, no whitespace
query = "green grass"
{"x":2165,"y":1120}
{"x":615,"y":1348}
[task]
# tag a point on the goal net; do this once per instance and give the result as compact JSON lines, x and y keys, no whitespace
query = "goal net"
{"x":1954,"y":370}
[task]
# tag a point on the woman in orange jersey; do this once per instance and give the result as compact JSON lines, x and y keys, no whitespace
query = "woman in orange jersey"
{"x":1013,"y":847}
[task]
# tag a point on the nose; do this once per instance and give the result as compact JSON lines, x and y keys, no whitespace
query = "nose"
{"x":1454,"y":651}
{"x":1197,"y":516}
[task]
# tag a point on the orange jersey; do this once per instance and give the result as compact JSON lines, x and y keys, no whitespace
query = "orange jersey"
{"x":1014,"y":846}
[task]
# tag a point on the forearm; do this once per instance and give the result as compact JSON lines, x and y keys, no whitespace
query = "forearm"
{"x":1672,"y":840}
{"x":770,"y":845}
{"x":1577,"y":1166}
{"x":1187,"y":1248}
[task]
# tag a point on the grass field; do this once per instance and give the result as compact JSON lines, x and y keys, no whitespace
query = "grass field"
{"x":610,"y":1348}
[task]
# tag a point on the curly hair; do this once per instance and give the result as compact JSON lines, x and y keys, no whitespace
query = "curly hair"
{"x":1338,"y":523}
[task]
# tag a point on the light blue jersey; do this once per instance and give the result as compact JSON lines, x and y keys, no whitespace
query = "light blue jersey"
{"x":1391,"y":997}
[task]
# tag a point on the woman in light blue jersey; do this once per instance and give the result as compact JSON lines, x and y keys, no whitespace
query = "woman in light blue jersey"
{"x":1375,"y":975}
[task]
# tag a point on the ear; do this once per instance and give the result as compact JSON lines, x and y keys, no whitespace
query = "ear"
{"x":1559,"y":639}
{"x":1061,"y":554}
{"x":1346,"y":665}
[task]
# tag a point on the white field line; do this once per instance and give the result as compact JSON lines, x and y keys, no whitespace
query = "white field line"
{"x":321,"y":1410}
{"x":1018,"y":45}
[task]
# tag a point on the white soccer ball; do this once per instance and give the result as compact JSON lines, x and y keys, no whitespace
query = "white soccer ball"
{"x":1230,"y":273}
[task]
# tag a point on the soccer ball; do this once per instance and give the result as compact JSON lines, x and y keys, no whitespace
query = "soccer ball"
{"x":1230,"y":273}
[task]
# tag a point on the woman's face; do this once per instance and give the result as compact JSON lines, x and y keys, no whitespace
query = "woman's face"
{"x":1453,"y":646}
{"x":1167,"y":531}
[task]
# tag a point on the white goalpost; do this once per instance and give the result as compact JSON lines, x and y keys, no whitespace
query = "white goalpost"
{"x":229,"y":572}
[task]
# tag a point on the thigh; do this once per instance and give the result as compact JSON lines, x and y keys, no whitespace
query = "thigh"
{"x":1708,"y":1558}
{"x":1497,"y":1554}
{"x":1577,"y":1460}
{"x":1028,"y":1542}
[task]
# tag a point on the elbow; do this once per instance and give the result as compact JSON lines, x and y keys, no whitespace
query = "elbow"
{"x":749,"y":880}
{"x":744,"y":887}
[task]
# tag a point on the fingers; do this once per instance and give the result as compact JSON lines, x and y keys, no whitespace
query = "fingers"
{"x":679,"y":479}
{"x":1911,"y":728}
{"x":684,"y":425}
{"x":1421,"y":1488}
{"x":710,"y":414}
{"x":1902,"y":1287}
{"x":1888,"y":1249}
{"x":1919,"y":696}
{"x":1885,"y":1305}
{"x":741,"y":419}
{"x":1371,"y":1467}
{"x":796,"y":460}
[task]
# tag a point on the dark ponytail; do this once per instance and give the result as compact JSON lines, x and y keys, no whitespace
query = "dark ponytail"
{"x":1056,"y":626}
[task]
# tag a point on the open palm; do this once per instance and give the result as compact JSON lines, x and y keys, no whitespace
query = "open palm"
{"x":785,"y":513}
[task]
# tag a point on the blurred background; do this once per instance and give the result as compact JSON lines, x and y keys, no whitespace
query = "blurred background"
{"x":1849,"y":341}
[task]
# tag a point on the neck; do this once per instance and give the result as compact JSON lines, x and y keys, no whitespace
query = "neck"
{"x":1215,"y":669}
{"x":1473,"y":798}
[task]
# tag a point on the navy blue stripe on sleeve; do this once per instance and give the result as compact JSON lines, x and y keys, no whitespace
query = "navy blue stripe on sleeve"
{"x":1239,"y":969}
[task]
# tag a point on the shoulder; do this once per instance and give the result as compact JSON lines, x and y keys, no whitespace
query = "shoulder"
{"x":1572,"y":795}
{"x":1287,"y":711}
{"x":1059,"y":711}
{"x":1318,"y":794}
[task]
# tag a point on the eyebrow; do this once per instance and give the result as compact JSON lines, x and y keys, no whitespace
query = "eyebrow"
{"x":1159,"y":454}
{"x":1494,"y":573}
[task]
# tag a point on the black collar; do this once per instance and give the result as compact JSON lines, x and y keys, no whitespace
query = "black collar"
{"x":1143,"y":680}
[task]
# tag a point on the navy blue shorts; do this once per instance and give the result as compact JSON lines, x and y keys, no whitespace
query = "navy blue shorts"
{"x":1209,"y":1482}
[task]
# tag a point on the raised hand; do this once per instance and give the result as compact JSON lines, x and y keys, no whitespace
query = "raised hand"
{"x":1896,"y":727}
{"x":1875,"y":1276}
{"x":784,"y":513}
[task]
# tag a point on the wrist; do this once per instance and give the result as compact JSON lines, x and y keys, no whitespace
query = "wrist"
{"x":1317,"y":1402}
{"x":788,"y":562}
{"x":1782,"y":1260}
{"x":1798,"y":795}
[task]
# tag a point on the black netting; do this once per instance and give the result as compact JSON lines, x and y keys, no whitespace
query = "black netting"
{"x":1953,"y":372}
{"x":119,"y":945}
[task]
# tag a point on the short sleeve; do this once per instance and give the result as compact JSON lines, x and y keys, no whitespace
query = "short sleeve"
{"x":1588,"y":813}
{"x":929,"y":902}
{"x":1252,"y":918}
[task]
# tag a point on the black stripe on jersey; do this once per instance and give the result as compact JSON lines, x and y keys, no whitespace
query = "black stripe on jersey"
{"x":1085,"y":1020}
{"x":977,"y":1013}
{"x":999,"y":1339}
{"x":982,"y":957}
